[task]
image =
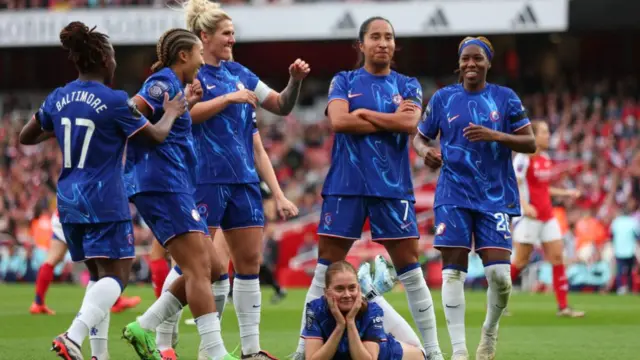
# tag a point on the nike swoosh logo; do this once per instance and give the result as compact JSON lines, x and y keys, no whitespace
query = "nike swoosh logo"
{"x":353,"y":95}
{"x":453,"y":118}
{"x":425,"y":309}
{"x":404,"y":226}
{"x":256,"y":306}
{"x":209,"y":87}
{"x":453,"y":307}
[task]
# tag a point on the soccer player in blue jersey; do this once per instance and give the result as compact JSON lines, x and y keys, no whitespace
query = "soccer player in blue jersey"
{"x":343,"y":325}
{"x":230,"y":159}
{"x":479,"y":124}
{"x":92,"y":124}
{"x":373,"y":110}
{"x":161,"y":183}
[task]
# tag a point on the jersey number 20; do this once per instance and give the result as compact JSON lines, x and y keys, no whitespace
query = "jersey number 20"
{"x":503,"y":222}
{"x":91,"y":126}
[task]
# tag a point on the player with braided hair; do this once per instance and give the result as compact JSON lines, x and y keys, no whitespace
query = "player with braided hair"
{"x":479,"y":125}
{"x":161,"y":182}
{"x":92,"y":124}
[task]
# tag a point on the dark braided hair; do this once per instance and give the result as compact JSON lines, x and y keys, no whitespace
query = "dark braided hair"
{"x":364,"y":28}
{"x":88,"y":49}
{"x":170,"y":44}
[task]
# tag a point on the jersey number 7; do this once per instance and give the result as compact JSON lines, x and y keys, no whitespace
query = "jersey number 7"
{"x":91,"y":126}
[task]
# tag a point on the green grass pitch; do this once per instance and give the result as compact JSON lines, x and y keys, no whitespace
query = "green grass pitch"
{"x":611,"y":329}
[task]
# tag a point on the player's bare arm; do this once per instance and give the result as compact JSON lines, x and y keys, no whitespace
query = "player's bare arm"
{"x":285,"y":208}
{"x":33,"y":134}
{"x":350,"y":123}
{"x":527,"y":209}
{"x":404,"y":120}
{"x":521,"y":141}
{"x":282,"y":103}
{"x":432,"y":156}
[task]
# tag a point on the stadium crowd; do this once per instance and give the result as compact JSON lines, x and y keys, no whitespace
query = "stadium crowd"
{"x":594,"y":145}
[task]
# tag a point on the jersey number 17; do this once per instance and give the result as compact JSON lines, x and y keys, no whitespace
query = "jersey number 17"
{"x":91,"y":126}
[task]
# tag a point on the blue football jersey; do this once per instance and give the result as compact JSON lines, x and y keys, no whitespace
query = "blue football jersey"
{"x":475,"y":175}
{"x":224,"y":143}
{"x":373,"y":164}
{"x":320,"y":323}
{"x":170,"y":166}
{"x":92,"y":124}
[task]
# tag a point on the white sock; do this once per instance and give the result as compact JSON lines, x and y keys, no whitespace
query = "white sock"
{"x":454,"y":306}
{"x":220,"y":293}
{"x":210,"y":336}
{"x":98,"y":334}
{"x":499,"y":279}
{"x":247,"y":300}
{"x":165,"y":331}
{"x":421,"y":306}
{"x":395,"y":324}
{"x":96,"y":304}
{"x":316,"y":290}
{"x":165,"y":307}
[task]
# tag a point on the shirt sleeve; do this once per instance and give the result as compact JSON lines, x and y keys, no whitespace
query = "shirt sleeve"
{"x":429,"y":125}
{"x":517,"y":117}
{"x":153,"y":90}
{"x":521,"y":165}
{"x":374,"y":329}
{"x":128,"y":118}
{"x":413,"y":91}
{"x":311,"y":328}
{"x":338,"y":89}
{"x":43,"y":115}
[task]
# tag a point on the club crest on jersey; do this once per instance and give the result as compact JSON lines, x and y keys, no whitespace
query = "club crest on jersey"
{"x":240,"y":86}
{"x":157,"y":90}
{"x":397,"y":99}
{"x":130,"y":239}
{"x":327,"y":219}
{"x":440,"y":228}
{"x":494,"y":116}
{"x":195,"y":215}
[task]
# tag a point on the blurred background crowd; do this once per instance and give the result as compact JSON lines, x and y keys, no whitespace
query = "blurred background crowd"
{"x":588,"y":97}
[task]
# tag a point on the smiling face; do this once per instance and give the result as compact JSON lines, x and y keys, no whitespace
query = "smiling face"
{"x":344,"y":288}
{"x":219,"y":44}
{"x":474,"y":65}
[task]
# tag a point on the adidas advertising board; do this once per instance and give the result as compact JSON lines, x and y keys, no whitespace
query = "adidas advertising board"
{"x":321,"y":21}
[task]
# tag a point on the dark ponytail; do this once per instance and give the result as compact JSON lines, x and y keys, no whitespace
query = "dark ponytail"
{"x":88,"y":49}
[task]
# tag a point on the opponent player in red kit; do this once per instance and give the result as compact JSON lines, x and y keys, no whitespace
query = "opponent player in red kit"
{"x":538,"y":224}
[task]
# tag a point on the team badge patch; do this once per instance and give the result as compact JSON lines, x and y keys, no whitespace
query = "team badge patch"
{"x":397,"y":99}
{"x":309,"y":318}
{"x":157,"y":90}
{"x":130,"y":239}
{"x":195,"y":215}
{"x":495,"y":116}
{"x":440,"y":228}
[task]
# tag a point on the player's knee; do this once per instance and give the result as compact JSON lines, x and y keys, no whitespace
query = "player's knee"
{"x":198,"y":267}
{"x":555,"y":259}
{"x":499,"y":276}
